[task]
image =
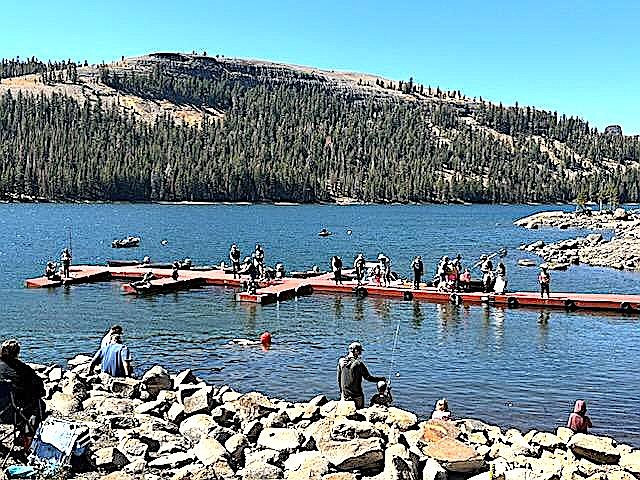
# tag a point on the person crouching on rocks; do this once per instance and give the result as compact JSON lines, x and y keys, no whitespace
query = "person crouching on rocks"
{"x":351,"y":371}
{"x":578,"y":421}
{"x":441,"y":411}
{"x":114,"y":359}
{"x":383,"y":397}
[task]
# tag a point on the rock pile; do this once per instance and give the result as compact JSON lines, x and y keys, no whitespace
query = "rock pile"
{"x":178,"y":427}
{"x":621,"y":252}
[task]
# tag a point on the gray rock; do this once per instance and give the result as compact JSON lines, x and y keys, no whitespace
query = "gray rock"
{"x":265,"y":456}
{"x":125,"y":387}
{"x":208,"y":450}
{"x":185,"y":377}
{"x":79,"y":360}
{"x":251,"y":406}
{"x":64,"y":404}
{"x":454,"y":456}
{"x":401,"y":419}
{"x":176,"y":413}
{"x":200,"y":401}
{"x":222,"y":434}
{"x":55,"y":374}
{"x":276,"y":420}
{"x":594,"y":448}
{"x":345,"y":429}
{"x":109,"y":458}
{"x":306,"y":466}
{"x":173,"y":460}
{"x":137,"y":466}
{"x":338,"y":408}
{"x":283,"y":439}
{"x":318,"y":401}
{"x":196,"y":427}
{"x":548,"y":440}
{"x":364,"y":453}
{"x":252,"y":430}
{"x":156,"y":379}
{"x":235,"y":445}
{"x":261,"y":471}
{"x":155,"y":407}
{"x":223,"y":416}
{"x":133,"y":448}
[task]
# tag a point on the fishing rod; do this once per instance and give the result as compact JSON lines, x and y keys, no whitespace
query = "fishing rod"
{"x":501,"y":252}
{"x":393,"y":353}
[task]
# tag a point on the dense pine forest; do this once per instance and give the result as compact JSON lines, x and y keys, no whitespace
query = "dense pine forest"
{"x":286,"y":134}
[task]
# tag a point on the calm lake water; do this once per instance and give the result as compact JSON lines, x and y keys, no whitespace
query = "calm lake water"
{"x":512,"y":367}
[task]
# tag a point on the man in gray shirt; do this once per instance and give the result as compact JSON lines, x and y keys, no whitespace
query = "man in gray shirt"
{"x":351,"y":371}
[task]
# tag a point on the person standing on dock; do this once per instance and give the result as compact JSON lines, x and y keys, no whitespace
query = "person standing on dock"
{"x":359,"y":267}
{"x":114,"y":359}
{"x":259,"y":257}
{"x":234,"y":256}
{"x":544,"y":279}
{"x":385,"y":269}
{"x":351,"y":371}
{"x":65,"y":259}
{"x":418,"y":269}
{"x":336,"y":266}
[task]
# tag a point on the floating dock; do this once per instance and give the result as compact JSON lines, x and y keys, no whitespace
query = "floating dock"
{"x":287,"y":288}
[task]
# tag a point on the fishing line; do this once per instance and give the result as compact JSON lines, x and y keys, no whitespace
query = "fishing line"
{"x":393,"y":352}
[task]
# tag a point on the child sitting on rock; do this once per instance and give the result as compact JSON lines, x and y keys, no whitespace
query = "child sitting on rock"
{"x":441,"y":411}
{"x":383,"y":397}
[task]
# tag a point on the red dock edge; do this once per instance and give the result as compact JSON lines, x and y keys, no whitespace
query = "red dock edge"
{"x":288,"y":288}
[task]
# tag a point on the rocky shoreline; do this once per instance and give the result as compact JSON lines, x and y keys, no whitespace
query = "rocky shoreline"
{"x":177,"y":427}
{"x":621,"y":252}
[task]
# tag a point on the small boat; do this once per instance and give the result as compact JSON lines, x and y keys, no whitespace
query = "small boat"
{"x":324,"y":233}
{"x":126,"y":242}
{"x":525,"y":262}
{"x":556,"y":265}
{"x":123,"y":263}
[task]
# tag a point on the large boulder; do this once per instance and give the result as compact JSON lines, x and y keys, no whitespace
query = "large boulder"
{"x":620,"y":214}
{"x":64,"y":404}
{"x":208,"y":450}
{"x":252,"y":406}
{"x":454,"y":456}
{"x":402,"y":419}
{"x":434,"y":430}
{"x":125,"y":387}
{"x":399,"y":464}
{"x":631,"y":461}
{"x":200,"y":401}
{"x":365,"y":453}
{"x":134,"y":448}
{"x":196,"y":427}
{"x":235,"y":445}
{"x":339,"y":408}
{"x":432,"y":470}
{"x":306,"y":466}
{"x":594,"y":448}
{"x":156,"y":379}
{"x":281,"y":439}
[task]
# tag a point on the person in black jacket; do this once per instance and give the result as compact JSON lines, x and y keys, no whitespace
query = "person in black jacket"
{"x":28,"y":387}
{"x":418,"y":270}
{"x":351,"y":371}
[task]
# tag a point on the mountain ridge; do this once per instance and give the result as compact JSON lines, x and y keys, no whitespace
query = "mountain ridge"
{"x":467,"y":149}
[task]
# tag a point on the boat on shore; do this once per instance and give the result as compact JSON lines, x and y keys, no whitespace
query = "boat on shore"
{"x":127,"y":242}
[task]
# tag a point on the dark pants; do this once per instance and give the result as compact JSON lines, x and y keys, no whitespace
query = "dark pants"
{"x":416,"y":280}
{"x":359,"y":275}
{"x":65,"y":268}
{"x":544,"y":287}
{"x":359,"y":401}
{"x":337,"y":276}
{"x":236,"y":269}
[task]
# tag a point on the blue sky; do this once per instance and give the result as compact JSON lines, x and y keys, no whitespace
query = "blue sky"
{"x":580,"y":58}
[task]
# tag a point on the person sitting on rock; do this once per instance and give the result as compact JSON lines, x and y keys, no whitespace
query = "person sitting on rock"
{"x":114,"y":359}
{"x":441,"y":411}
{"x":578,"y":421}
{"x":108,"y":338}
{"x":383,"y":397}
{"x":28,"y":390}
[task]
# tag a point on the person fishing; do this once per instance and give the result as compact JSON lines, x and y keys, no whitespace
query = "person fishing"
{"x":351,"y":370}
{"x":418,"y":270}
{"x":385,"y":269}
{"x":50,"y":271}
{"x":65,"y":260}
{"x":259,"y":258}
{"x":336,"y":266}
{"x":234,"y":256}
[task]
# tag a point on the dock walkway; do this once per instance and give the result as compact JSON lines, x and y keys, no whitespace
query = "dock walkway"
{"x":287,"y":288}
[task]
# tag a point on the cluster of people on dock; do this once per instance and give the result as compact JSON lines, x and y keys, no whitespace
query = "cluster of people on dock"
{"x":56,"y":272}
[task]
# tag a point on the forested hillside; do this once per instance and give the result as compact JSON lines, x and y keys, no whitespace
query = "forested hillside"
{"x":270,"y":132}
